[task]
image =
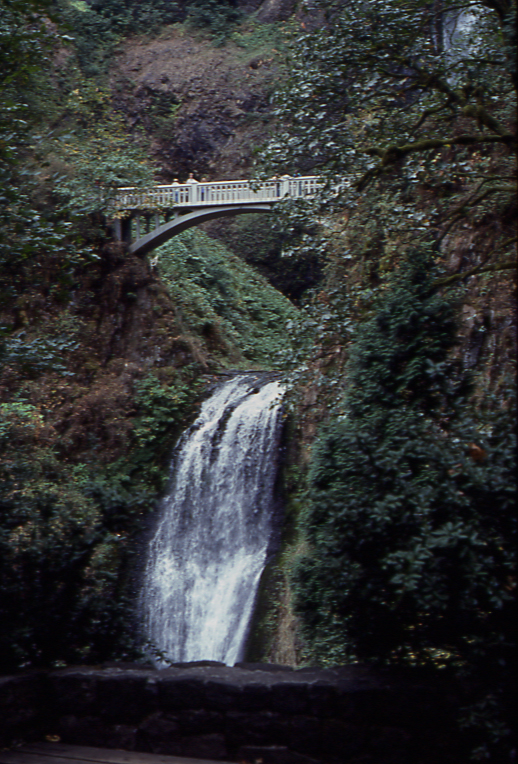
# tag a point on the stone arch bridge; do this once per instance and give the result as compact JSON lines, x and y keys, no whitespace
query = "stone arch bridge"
{"x":147,"y":218}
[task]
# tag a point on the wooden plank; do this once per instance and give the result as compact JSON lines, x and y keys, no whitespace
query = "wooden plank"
{"x":59,"y":753}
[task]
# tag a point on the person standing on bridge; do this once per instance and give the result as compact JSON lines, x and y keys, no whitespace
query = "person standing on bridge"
{"x":192,"y":180}
{"x":176,"y":182}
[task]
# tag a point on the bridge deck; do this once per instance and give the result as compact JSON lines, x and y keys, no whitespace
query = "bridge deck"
{"x":212,"y":193}
{"x":193,"y":203}
{"x":59,"y":753}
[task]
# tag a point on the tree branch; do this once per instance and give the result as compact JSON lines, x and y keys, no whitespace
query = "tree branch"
{"x":428,"y":113}
{"x":392,"y":153}
{"x":458,"y":213}
{"x":484,"y":118}
{"x":478,"y":269}
{"x":477,"y":199}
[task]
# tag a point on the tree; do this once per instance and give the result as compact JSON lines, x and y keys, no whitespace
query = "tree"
{"x":413,"y":104}
{"x":410,"y":524}
{"x":61,"y":566}
{"x":24,"y":45}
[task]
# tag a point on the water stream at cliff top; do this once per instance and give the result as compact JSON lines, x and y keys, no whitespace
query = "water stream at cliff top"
{"x":210,"y":546}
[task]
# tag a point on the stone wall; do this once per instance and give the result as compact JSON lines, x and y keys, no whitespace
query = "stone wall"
{"x":249,"y":713}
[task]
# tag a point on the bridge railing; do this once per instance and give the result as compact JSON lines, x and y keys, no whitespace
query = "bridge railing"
{"x":220,"y":192}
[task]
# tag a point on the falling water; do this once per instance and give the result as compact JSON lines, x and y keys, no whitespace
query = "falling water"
{"x":209,"y":549}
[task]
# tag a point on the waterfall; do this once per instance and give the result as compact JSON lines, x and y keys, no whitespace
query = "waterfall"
{"x":210,"y":545}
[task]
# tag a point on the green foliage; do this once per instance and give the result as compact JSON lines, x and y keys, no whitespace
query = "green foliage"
{"x":412,"y":104}
{"x":33,"y":238}
{"x":97,"y":26}
{"x":134,"y":16}
{"x":411,"y":522}
{"x":163,"y":113}
{"x":392,"y":72}
{"x":67,"y":531}
{"x":24,"y":46}
{"x":224,"y":300}
{"x":260,"y":39}
{"x":36,"y":355}
{"x":48,"y":533}
{"x":219,"y":16}
{"x":97,"y":156}
{"x":161,"y":413}
{"x":284,"y":249}
{"x":401,"y":357}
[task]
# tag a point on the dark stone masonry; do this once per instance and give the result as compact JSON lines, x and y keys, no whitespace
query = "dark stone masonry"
{"x":249,"y":713}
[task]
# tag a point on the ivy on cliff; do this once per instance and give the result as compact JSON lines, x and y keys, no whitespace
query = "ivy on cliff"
{"x":69,"y":503}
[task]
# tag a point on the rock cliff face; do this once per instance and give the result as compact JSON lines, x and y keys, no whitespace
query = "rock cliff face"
{"x":205,"y":108}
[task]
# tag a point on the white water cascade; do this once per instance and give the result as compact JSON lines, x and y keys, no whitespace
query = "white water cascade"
{"x":209,"y":549}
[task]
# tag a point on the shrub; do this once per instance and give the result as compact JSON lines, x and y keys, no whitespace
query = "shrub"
{"x":411,"y":522}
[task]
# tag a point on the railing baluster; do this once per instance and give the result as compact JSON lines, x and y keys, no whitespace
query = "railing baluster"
{"x":218,"y":192}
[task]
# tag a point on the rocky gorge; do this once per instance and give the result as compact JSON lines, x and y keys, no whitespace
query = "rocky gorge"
{"x":382,"y":616}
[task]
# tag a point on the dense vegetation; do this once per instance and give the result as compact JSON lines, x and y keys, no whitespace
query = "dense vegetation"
{"x":404,"y":513}
{"x":222,"y":299}
{"x":408,"y":525}
{"x":414,"y":106}
{"x":100,"y":361}
{"x":411,"y":519}
{"x":97,"y":26}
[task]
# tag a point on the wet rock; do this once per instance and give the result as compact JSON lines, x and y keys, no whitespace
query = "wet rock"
{"x":89,"y":730}
{"x":331,"y":716}
{"x":74,"y":691}
{"x":197,"y":722}
{"x":222,"y":695}
{"x":290,"y":697}
{"x":341,"y":740}
{"x":256,"y":697}
{"x":254,"y":729}
{"x":177,"y":694}
{"x":305,"y":735}
{"x":392,"y":746}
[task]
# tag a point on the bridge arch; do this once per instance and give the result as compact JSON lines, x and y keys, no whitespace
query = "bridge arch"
{"x":166,"y":231}
{"x":192,"y":203}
